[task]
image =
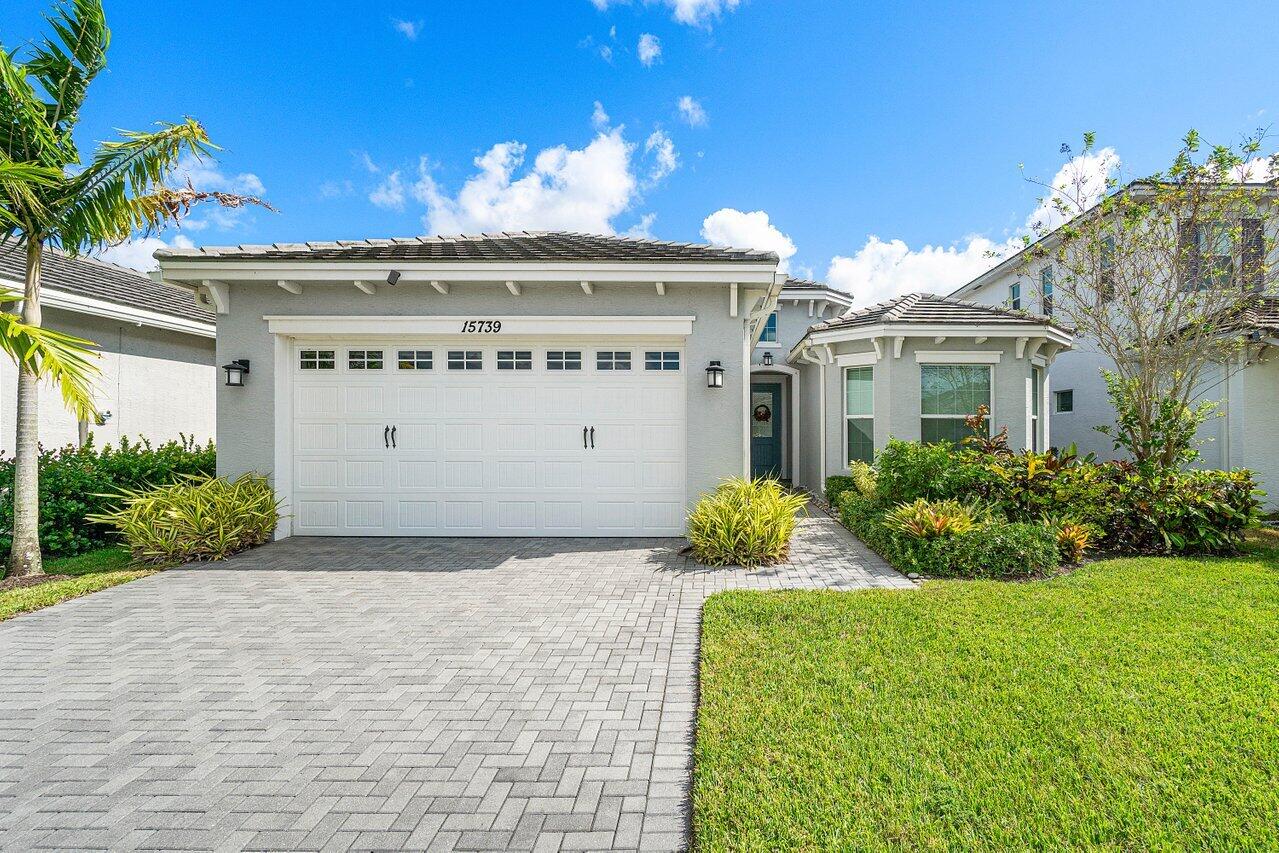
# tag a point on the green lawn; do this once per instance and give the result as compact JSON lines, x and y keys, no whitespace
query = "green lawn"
{"x":1133,"y":704}
{"x":94,"y":571}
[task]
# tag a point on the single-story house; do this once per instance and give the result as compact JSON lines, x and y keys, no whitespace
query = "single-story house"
{"x":157,"y":353}
{"x":560,"y":384}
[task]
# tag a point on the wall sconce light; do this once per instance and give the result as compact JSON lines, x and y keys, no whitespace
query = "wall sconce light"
{"x":393,"y":278}
{"x":715,"y":375}
{"x":768,"y":359}
{"x":236,"y":371}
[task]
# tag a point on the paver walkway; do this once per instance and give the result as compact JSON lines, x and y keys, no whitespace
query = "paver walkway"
{"x":480,"y":694}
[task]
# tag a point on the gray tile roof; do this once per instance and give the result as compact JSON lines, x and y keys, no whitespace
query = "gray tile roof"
{"x":100,"y":280}
{"x":931,"y":309}
{"x":808,"y":284}
{"x":517,"y":246}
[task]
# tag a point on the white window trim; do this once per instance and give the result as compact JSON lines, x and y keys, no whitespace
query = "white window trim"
{"x":958,"y":357}
{"x":847,"y":417}
{"x":857,"y":359}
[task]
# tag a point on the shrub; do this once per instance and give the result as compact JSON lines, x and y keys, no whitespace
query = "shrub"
{"x":1000,"y":551}
{"x":76,"y":482}
{"x":861,"y":478}
{"x":909,"y":470}
{"x":925,"y":520}
{"x":197,"y":518}
{"x":1072,"y":538}
{"x":744,"y":523}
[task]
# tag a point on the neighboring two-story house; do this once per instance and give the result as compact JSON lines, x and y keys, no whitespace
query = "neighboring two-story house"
{"x":1244,"y":434}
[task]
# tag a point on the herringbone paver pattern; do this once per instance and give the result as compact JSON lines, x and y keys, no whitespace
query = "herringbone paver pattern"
{"x":333,"y":694}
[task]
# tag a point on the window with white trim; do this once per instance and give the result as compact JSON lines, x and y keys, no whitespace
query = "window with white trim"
{"x":317,"y":359}
{"x":563,"y":359}
{"x":364,"y":359}
{"x":1036,"y":390}
{"x":1046,"y":290}
{"x":471,"y":359}
{"x":661,"y":360}
{"x":859,"y":413}
{"x":514,"y":359}
{"x":1064,"y":401}
{"x":1014,"y":296}
{"x":770,"y":330}
{"x":949,"y":393}
{"x":613,"y":360}
{"x":414,"y":359}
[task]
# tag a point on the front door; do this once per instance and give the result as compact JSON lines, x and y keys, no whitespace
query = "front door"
{"x":766,"y":429}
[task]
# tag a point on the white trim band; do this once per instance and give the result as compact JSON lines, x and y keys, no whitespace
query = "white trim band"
{"x":511,"y":326}
{"x":957,"y":357}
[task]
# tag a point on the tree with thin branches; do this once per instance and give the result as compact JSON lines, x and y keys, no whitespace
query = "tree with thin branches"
{"x":51,"y":197}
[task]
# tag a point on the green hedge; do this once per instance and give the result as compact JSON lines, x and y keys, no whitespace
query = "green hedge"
{"x":73,"y":481}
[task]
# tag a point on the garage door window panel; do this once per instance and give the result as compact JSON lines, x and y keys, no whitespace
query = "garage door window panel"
{"x":613,"y":360}
{"x":466,"y":359}
{"x":564,"y":360}
{"x":415,"y":359}
{"x":317,"y":359}
{"x":364,"y":359}
{"x":664,"y":360}
{"x":515,"y":359}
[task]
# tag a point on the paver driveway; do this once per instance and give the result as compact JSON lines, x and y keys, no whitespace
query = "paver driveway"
{"x":335,"y":694}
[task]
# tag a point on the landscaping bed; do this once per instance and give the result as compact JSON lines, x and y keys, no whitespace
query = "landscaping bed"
{"x":66,"y":578}
{"x":1130,"y":704}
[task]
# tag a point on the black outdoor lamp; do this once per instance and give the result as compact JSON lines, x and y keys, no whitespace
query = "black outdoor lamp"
{"x":715,"y":375}
{"x":393,"y":278}
{"x":236,"y":371}
{"x":768,"y":359}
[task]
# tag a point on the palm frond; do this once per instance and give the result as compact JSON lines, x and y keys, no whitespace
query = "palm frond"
{"x":19,"y":183}
{"x":66,"y":64}
{"x":25,"y":134}
{"x":68,"y":362}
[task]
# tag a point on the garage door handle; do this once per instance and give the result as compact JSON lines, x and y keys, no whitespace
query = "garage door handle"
{"x":592,"y":438}
{"x":393,"y":429}
{"x":386,"y":437}
{"x":583,"y":438}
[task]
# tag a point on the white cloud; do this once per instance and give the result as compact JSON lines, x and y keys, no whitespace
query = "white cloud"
{"x":691,"y":111}
{"x":882,"y":269}
{"x":692,"y":12}
{"x":205,"y":175}
{"x":729,"y":227}
{"x":649,"y":49}
{"x":136,"y":254}
{"x":390,"y":193}
{"x":1257,"y":169}
{"x":599,"y":118}
{"x":409,"y":29}
{"x":580,"y":189}
{"x":665,"y":159}
{"x":643,"y":228}
{"x":363,"y":158}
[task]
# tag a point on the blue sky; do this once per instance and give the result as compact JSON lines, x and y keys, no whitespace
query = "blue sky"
{"x":839,"y":122}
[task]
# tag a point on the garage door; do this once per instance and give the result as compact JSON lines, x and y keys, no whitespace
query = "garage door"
{"x":418,"y":438}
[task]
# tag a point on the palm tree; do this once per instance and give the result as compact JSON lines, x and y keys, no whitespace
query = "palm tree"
{"x":50,"y":197}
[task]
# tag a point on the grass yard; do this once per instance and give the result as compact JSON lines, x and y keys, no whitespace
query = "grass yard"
{"x":92,"y":571}
{"x":1133,"y":704}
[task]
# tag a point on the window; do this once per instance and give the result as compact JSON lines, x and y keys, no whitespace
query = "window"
{"x":948,"y":394}
{"x":1213,"y":264}
{"x":1036,"y":389}
{"x":1065,"y":400}
{"x":471,"y":359}
{"x":1014,"y":296}
{"x":613,"y":360}
{"x":859,"y":413}
{"x":364,"y":359}
{"x":1046,"y":290}
{"x":414,"y":359}
{"x":1106,"y":280}
{"x":317,"y":359}
{"x":514,"y":359}
{"x":564,"y":360}
{"x":661,"y":361}
{"x":770,"y":330}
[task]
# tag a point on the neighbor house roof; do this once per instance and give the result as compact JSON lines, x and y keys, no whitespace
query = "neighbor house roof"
{"x":817,"y":287}
{"x":98,"y":280}
{"x":931,"y":309}
{"x":517,"y":246}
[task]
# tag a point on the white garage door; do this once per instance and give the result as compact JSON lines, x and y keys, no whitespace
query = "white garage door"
{"x":446,"y":439}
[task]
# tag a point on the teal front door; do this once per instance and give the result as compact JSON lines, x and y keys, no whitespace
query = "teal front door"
{"x":766,"y":429}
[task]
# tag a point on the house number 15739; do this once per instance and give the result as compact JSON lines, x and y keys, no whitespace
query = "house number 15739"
{"x":484,"y":327}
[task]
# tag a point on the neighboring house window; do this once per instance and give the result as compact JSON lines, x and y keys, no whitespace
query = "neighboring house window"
{"x":1106,"y":279}
{"x":859,"y":413}
{"x":564,"y":360}
{"x":1036,"y":390}
{"x":364,"y":359}
{"x":1213,"y":265}
{"x":613,"y":360}
{"x":414,"y":359}
{"x":661,"y":361}
{"x":1046,"y":289}
{"x":519,"y":359}
{"x":1014,"y":296}
{"x":1065,"y":400}
{"x":470,"y":359}
{"x":948,"y":394}
{"x":770,"y":330}
{"x":317,"y":359}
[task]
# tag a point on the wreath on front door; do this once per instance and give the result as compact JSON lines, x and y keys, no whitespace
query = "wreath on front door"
{"x":763,"y":414}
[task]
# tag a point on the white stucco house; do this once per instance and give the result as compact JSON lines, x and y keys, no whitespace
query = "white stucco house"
{"x":561,"y":384}
{"x":157,"y":353}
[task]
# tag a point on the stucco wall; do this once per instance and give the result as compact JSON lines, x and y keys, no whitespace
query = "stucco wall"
{"x":1256,"y":421}
{"x":155,"y":383}
{"x":792,"y":322}
{"x":716,"y":418}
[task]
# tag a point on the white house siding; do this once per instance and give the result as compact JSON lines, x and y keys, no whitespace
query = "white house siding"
{"x":716,"y":444}
{"x":1257,"y":423}
{"x":156,"y":384}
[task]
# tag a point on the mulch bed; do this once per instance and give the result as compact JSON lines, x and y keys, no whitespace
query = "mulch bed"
{"x":30,"y":580}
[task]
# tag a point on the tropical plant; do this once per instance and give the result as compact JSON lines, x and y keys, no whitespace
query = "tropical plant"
{"x":922,"y":519}
{"x":49,"y":196}
{"x":196,"y":518}
{"x":744,"y":523}
{"x":1073,"y":538}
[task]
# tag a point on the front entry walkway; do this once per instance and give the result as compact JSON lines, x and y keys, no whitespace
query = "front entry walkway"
{"x":478,"y":694}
